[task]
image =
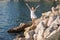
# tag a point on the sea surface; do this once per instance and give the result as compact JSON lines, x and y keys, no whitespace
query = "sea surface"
{"x":14,"y":13}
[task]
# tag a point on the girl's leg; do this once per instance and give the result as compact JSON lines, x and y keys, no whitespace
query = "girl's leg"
{"x":33,"y":24}
{"x":31,"y":27}
{"x":33,"y":21}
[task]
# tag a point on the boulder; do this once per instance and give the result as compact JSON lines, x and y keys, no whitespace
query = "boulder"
{"x":29,"y":35}
{"x":20,"y":28}
{"x":19,"y":38}
{"x":35,"y":36}
{"x":55,"y":35}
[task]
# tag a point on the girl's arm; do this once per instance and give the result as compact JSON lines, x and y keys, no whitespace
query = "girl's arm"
{"x":37,"y":7}
{"x":28,"y":6}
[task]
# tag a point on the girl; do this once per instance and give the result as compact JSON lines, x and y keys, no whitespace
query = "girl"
{"x":32,"y":11}
{"x":33,"y":17}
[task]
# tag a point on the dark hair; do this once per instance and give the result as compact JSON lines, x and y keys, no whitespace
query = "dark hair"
{"x":33,"y":7}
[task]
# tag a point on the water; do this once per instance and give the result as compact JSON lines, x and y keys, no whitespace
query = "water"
{"x":12,"y":14}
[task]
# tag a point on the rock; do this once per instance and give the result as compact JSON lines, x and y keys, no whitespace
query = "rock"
{"x":46,"y":13}
{"x":39,"y":31}
{"x":39,"y":35}
{"x":20,"y":28}
{"x":35,"y":36}
{"x":29,"y":35}
{"x":54,"y":35}
{"x":55,"y":25}
{"x":47,"y":32}
{"x":19,"y":38}
{"x":40,"y":27}
{"x":58,"y":6}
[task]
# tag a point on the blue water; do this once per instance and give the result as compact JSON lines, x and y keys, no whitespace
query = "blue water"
{"x":12,"y":14}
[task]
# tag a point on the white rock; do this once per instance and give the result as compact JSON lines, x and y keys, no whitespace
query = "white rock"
{"x":29,"y":35}
{"x":39,"y":30}
{"x":53,"y":27}
{"x":19,"y":38}
{"x":40,"y":26}
{"x":51,"y":19}
{"x":47,"y":32}
{"x":35,"y":36}
{"x":55,"y":22}
{"x":55,"y":33}
{"x":39,"y":35}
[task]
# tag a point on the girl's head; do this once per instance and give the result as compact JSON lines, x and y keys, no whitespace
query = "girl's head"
{"x":33,"y":8}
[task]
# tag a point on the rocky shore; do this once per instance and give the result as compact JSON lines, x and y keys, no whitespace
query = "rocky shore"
{"x":47,"y":27}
